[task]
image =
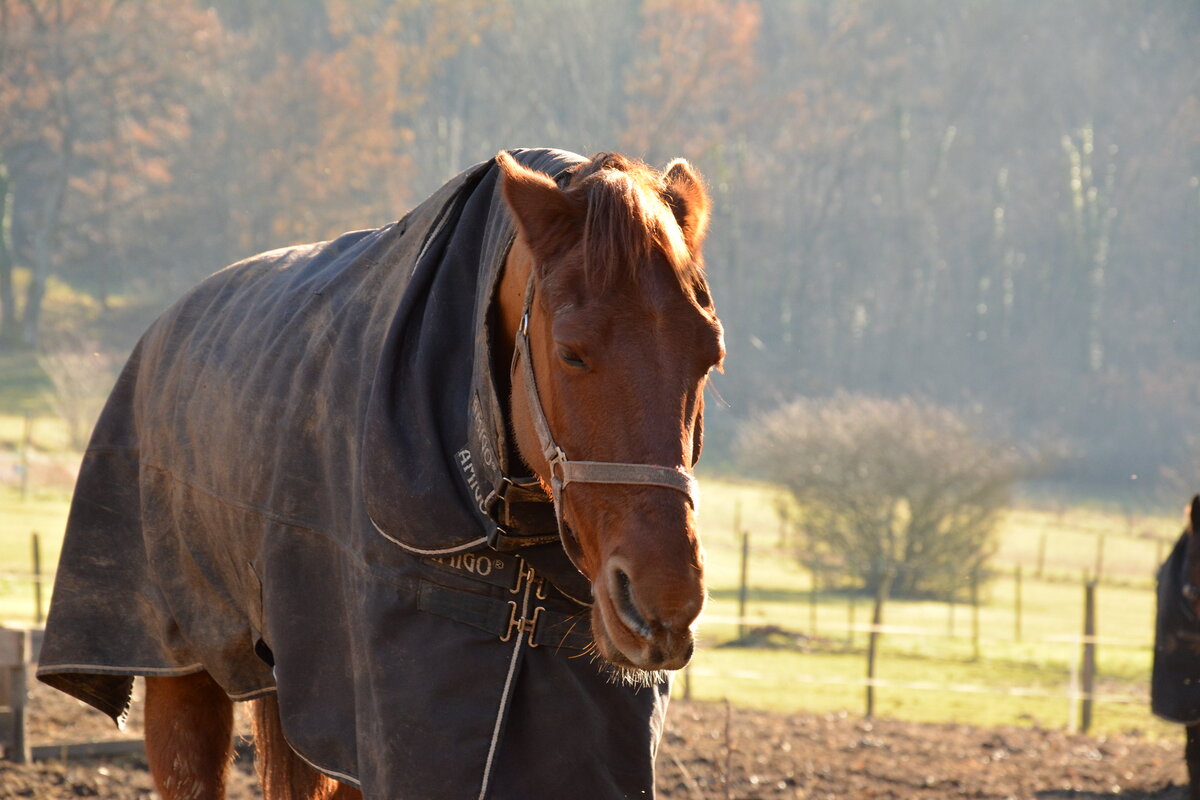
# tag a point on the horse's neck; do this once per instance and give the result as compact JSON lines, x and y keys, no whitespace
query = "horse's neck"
{"x":510,"y":297}
{"x":507,"y":309}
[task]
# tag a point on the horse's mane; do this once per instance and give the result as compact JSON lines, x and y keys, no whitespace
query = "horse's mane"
{"x":627,"y":220}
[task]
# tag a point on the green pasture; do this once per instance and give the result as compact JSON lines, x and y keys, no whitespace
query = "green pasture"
{"x":24,"y":387}
{"x":1004,"y":675}
{"x":816,"y":659}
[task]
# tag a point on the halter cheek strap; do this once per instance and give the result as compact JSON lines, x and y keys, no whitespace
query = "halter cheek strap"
{"x":564,"y":471}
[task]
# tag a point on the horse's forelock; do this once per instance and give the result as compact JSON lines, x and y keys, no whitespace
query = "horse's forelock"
{"x":627,"y":221}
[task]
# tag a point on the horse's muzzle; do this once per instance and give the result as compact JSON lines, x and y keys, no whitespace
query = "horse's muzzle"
{"x":642,"y":628}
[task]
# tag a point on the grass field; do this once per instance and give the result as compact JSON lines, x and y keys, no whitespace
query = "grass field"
{"x":930,"y":646}
{"x":932,"y":667}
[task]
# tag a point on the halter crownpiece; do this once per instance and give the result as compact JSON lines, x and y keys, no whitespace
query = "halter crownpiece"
{"x":564,"y":471}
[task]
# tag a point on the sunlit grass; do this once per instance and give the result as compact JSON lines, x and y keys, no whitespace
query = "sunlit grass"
{"x":24,"y":385}
{"x":47,"y":433}
{"x":932,"y":641}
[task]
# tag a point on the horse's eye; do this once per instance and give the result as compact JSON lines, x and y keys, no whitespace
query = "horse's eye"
{"x":570,"y":358}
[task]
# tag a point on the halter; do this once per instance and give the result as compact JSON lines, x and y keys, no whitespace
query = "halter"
{"x":564,"y":471}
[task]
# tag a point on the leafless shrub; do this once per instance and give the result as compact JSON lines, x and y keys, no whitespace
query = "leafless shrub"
{"x":82,"y":375}
{"x":889,"y":487}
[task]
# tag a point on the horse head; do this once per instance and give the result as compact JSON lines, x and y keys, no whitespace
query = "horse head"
{"x":605,"y":295}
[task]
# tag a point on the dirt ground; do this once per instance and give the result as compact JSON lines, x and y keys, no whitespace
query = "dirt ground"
{"x":712,"y":752}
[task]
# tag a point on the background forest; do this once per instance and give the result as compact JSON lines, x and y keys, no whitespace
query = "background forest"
{"x":989,"y":205}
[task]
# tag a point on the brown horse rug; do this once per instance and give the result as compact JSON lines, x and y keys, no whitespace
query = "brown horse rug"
{"x":298,"y":485}
{"x":1175,"y":677}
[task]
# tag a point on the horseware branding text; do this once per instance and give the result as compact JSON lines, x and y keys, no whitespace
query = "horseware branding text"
{"x":473,"y":563}
{"x":467,"y":465}
{"x":489,"y":458}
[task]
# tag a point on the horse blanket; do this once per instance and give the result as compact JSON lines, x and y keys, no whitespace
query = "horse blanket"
{"x":296,"y":486}
{"x":1175,"y":676}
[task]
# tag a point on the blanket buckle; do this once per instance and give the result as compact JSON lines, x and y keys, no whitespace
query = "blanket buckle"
{"x":526,"y":576}
{"x":522,"y":625}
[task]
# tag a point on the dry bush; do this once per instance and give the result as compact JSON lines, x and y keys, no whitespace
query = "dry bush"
{"x":897,"y":487}
{"x":82,"y":375}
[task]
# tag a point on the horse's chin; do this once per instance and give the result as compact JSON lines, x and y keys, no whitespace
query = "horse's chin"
{"x":617,"y":667}
{"x":645,"y":659}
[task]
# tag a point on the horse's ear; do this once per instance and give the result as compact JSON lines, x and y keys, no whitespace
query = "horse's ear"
{"x":686,"y":195}
{"x":545,"y":216}
{"x":1194,"y":515}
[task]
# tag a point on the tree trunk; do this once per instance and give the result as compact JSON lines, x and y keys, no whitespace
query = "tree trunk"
{"x":31,"y":320}
{"x":881,"y":596}
{"x":10,"y":330}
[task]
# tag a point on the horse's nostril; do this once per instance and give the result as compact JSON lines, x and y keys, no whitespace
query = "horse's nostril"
{"x":623,"y":599}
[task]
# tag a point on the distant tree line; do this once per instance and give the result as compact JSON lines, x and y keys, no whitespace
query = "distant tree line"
{"x":992,"y":205}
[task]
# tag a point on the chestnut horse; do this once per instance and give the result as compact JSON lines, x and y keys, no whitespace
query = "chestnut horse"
{"x":603,"y":312}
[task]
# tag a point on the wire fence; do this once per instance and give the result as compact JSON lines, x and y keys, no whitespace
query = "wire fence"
{"x":1004,"y":626}
{"x":1079,"y":692}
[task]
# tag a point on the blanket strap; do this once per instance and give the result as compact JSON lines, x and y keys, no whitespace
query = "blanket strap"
{"x":499,"y":617}
{"x":523,"y":513}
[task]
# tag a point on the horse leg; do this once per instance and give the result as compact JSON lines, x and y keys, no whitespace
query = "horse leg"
{"x":1192,"y":754}
{"x":282,"y":774}
{"x":189,"y":736}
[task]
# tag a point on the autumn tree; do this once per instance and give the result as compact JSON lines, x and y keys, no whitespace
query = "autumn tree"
{"x":89,"y":91}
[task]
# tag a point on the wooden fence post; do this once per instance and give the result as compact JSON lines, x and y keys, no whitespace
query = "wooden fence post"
{"x":950,"y":614}
{"x":1041,"y":558}
{"x":1088,"y":666}
{"x":26,"y":444}
{"x":1017,"y":604}
{"x":37,"y":579}
{"x":15,"y":655}
{"x":742,"y":588}
{"x":781,"y":508}
{"x":850,"y":618}
{"x":881,"y":593}
{"x":812,"y":599}
{"x":975,"y":613}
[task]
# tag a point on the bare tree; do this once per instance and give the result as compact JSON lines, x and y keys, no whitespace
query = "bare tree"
{"x":895,"y":490}
{"x":82,"y":376}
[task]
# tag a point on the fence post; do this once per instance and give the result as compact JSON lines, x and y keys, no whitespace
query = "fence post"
{"x":781,"y":508}
{"x":1017,"y":604}
{"x":26,"y":444}
{"x":975,"y":613}
{"x":812,"y":598}
{"x":1088,"y":666}
{"x":850,"y":618}
{"x":950,"y":613}
{"x":742,"y":588}
{"x":37,"y":579}
{"x":1041,"y":561}
{"x":15,"y":654}
{"x":881,"y":593}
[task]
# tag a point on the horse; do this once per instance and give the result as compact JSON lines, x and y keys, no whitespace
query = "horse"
{"x":423,"y":495}
{"x":1175,"y":677}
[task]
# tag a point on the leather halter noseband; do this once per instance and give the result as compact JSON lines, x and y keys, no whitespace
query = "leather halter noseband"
{"x":564,"y":471}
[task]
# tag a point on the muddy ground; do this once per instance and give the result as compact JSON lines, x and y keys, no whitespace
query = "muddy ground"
{"x":712,"y":752}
